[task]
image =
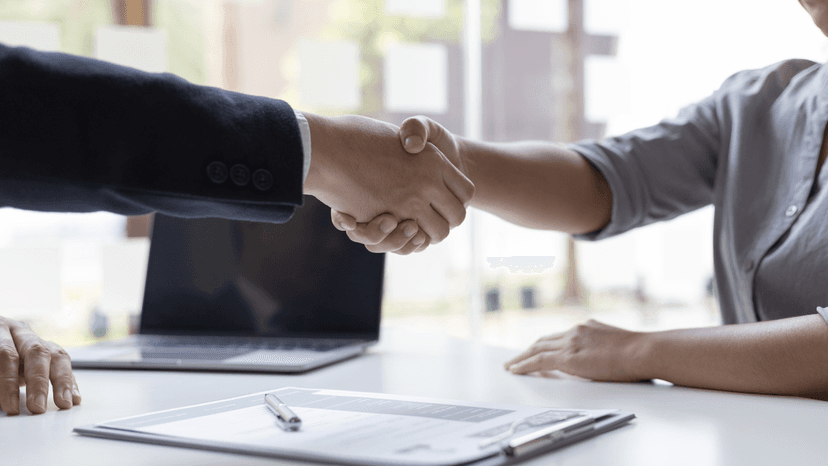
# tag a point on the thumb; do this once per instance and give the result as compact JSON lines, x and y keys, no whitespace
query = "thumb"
{"x":342,"y":222}
{"x":414,"y":133}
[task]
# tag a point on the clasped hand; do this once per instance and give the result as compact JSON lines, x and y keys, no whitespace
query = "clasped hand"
{"x":405,"y":234}
{"x":359,"y":167}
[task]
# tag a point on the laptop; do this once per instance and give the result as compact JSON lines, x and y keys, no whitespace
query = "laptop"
{"x":232,"y":295}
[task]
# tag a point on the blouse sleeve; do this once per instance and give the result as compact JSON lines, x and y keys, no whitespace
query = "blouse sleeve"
{"x":659,"y":172}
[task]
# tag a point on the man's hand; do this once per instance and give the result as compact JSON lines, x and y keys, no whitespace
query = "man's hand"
{"x":379,"y":235}
{"x":27,"y":360}
{"x":359,"y":167}
{"x":592,"y":350}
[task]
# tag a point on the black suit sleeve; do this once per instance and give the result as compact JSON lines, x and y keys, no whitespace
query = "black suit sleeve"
{"x":83,"y":135}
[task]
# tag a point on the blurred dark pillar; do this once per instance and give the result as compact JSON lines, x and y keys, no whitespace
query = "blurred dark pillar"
{"x":134,"y":13}
{"x":572,"y":50}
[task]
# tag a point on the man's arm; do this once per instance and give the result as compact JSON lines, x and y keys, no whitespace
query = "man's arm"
{"x":79,"y":135}
{"x":781,"y":357}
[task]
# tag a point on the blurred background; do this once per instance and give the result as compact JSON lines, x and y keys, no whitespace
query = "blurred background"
{"x":557,"y":70}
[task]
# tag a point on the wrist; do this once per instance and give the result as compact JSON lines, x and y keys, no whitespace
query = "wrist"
{"x":321,"y":129}
{"x":642,"y":355}
{"x":465,"y":163}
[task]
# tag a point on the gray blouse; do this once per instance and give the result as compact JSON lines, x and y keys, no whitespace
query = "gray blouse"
{"x":751,"y":149}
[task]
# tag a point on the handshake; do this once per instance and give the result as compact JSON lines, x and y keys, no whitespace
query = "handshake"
{"x":379,"y":193}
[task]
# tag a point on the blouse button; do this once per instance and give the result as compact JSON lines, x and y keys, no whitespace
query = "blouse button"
{"x":791,"y":211}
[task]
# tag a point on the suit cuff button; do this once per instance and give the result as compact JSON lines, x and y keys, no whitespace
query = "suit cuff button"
{"x":240,"y":174}
{"x":262,"y":179}
{"x":217,"y":172}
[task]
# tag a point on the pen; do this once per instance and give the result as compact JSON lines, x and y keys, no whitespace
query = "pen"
{"x":543,"y":437}
{"x":288,"y":420}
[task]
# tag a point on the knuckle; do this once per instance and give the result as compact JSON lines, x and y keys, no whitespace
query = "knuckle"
{"x":8,"y":355}
{"x":37,"y":380}
{"x":64,"y":380}
{"x":461,"y":216}
{"x":470,"y":193}
{"x":37,"y":349}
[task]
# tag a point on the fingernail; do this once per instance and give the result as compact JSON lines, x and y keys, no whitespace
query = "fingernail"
{"x":418,"y":241}
{"x":413,"y":141}
{"x":387,"y":226}
{"x":346,"y":226}
{"x":409,"y":231}
{"x":40,"y":401}
{"x":67,"y":396}
{"x":14,"y":403}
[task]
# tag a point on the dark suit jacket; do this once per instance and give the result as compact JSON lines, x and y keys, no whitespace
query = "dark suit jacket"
{"x":82,"y":135}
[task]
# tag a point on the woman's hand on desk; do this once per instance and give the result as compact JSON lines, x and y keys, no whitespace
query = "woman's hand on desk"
{"x":26,"y":359}
{"x":780,"y":357}
{"x":592,"y":350}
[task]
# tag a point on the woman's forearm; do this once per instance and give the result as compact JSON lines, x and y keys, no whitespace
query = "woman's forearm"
{"x":783,"y":357}
{"x":537,"y":185}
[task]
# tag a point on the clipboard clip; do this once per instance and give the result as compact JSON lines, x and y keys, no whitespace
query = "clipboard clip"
{"x":560,"y":429}
{"x":549,"y":435}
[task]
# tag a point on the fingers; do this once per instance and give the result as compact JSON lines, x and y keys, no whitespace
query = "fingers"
{"x":434,"y":225}
{"x":403,"y":240}
{"x":342,"y":222}
{"x":35,"y":357}
{"x":451,"y":210}
{"x":377,"y":230}
{"x":416,"y":244}
{"x":535,"y":349}
{"x":60,"y":373}
{"x":544,"y":361}
{"x":76,"y":396}
{"x":418,"y":131}
{"x":458,"y":183}
{"x":9,"y":383}
{"x":397,"y":239}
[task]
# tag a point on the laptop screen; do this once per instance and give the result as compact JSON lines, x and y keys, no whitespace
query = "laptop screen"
{"x":303,"y":278}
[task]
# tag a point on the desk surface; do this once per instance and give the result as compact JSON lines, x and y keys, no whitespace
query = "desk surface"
{"x":675,"y":425}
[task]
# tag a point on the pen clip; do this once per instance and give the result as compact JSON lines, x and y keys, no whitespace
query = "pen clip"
{"x":546,"y":436}
{"x":288,"y":420}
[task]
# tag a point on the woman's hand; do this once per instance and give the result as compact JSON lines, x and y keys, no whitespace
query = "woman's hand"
{"x":592,"y":350}
{"x":26,"y":359}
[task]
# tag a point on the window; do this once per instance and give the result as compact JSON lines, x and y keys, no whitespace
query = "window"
{"x":388,"y":59}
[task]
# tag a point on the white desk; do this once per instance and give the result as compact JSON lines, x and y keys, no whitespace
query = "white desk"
{"x":675,"y":426}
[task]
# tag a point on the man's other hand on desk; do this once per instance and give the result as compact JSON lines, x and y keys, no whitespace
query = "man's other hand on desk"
{"x":26,"y":359}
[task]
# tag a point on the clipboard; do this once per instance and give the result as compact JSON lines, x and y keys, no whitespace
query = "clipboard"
{"x":360,"y":428}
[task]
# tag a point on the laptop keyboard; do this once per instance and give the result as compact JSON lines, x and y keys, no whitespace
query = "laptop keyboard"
{"x":243,"y":343}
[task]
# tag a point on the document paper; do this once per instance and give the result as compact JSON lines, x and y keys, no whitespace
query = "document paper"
{"x":342,"y":426}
